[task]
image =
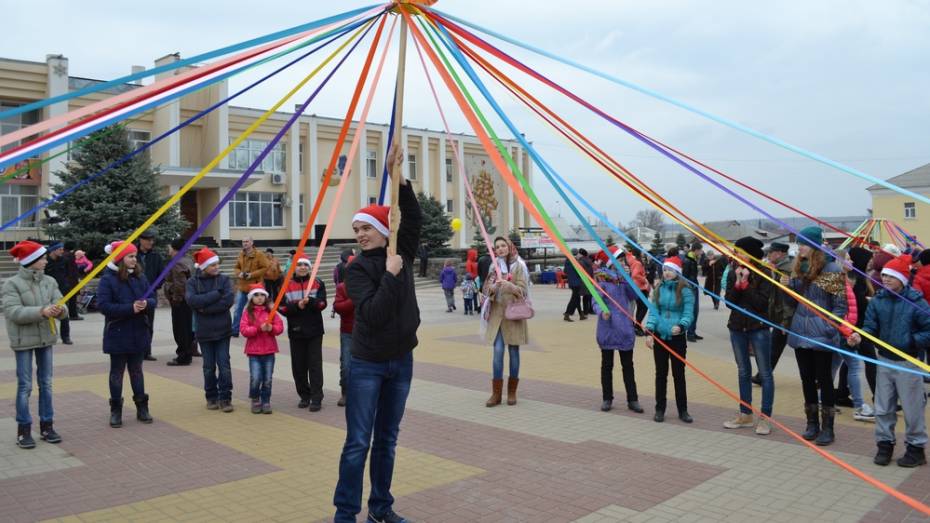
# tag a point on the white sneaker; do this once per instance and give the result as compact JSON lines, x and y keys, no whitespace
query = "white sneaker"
{"x":864,"y":413}
{"x":763,"y":427}
{"x":741,"y":421}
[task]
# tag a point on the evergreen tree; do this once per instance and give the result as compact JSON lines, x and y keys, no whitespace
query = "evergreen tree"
{"x":657,"y":246}
{"x":116,"y":203}
{"x":680,"y":240}
{"x":609,"y":241}
{"x":477,"y":243}
{"x":437,"y":225}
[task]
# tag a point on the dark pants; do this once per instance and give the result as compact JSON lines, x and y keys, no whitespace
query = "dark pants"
{"x":816,"y":368}
{"x":586,"y":304}
{"x":72,"y":308}
{"x":217,"y":373}
{"x":662,"y":357}
{"x":692,"y":329}
{"x":469,"y":304}
{"x":182,"y":326}
{"x":376,"y":396}
{"x":307,"y":366}
{"x":865,"y":348}
{"x":424,"y":264}
{"x":779,"y":341}
{"x":641,"y":310}
{"x":65,"y":328}
{"x":118,"y":364}
{"x":150,"y":314}
{"x":607,"y":374}
{"x":574,"y":303}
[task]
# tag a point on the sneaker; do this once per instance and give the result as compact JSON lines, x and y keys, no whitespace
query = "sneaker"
{"x":315,"y":405}
{"x":67,"y":341}
{"x":226,"y":405}
{"x":864,"y":413}
{"x":763,"y":427}
{"x":212,"y":405}
{"x":388,"y":517}
{"x":266,"y":408}
{"x":256,"y":407}
{"x":178,"y":363}
{"x":741,"y":421}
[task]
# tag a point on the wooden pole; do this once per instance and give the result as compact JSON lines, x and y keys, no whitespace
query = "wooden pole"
{"x":398,"y":128}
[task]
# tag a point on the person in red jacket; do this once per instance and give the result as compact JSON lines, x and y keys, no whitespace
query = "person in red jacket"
{"x":260,"y":346}
{"x":471,"y":267}
{"x":304,"y":303}
{"x":346,"y":309}
{"x":922,"y":276}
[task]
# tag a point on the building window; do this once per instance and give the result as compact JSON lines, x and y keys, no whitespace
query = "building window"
{"x":256,"y":210}
{"x":138,"y":138}
{"x":372,"y":200}
{"x":249,"y":150}
{"x":412,"y":166}
{"x":300,"y":159}
{"x":17,"y":199}
{"x":449,"y":206}
{"x":371,"y":163}
{"x":910,"y":211}
{"x":449,"y":169}
{"x":301,"y":209}
{"x":15,"y":123}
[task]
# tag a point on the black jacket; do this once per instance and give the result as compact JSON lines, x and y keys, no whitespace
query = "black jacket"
{"x":689,"y":268}
{"x":64,"y":271}
{"x":306,"y":322}
{"x":152,"y":265}
{"x":754,"y":299}
{"x":386,"y":310}
{"x":211,"y":298}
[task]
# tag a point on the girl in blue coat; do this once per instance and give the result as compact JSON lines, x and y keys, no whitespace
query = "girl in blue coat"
{"x":126,"y":334}
{"x":669,"y":318}
{"x":615,"y":334}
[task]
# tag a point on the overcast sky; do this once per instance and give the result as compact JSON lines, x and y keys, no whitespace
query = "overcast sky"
{"x":846,"y":79}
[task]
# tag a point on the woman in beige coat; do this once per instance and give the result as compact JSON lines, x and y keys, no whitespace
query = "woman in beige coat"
{"x":512,"y":285}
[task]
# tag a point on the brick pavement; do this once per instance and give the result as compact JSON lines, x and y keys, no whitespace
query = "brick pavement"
{"x":553,"y":457}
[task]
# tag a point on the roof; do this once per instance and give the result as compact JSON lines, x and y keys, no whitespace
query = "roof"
{"x":919,"y":177}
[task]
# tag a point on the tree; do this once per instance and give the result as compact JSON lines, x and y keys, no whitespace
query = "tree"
{"x":114,"y":205}
{"x":437,"y":225}
{"x":610,"y":241}
{"x":680,"y":240}
{"x":649,"y":218}
{"x":657,"y":246}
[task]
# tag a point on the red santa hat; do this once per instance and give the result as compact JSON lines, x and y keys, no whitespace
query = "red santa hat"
{"x":27,"y":252}
{"x":303,"y":258}
{"x":378,"y":216}
{"x":673,"y":263}
{"x":113,"y":246}
{"x":256,"y":288}
{"x":204,"y":258}
{"x":898,"y":268}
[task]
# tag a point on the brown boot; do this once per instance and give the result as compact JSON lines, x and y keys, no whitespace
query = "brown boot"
{"x":497,"y":387}
{"x":512,"y":390}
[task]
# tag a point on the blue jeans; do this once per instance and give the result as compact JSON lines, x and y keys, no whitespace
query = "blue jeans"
{"x":853,"y":375}
{"x":261,"y":369}
{"x":497,"y":363}
{"x":762,"y":347}
{"x":217,"y":386}
{"x":376,"y":394}
{"x":24,"y":384}
{"x":242,"y":299}
{"x":345,"y":357}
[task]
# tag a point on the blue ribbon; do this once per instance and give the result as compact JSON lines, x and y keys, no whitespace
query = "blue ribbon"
{"x":187,"y":122}
{"x":384,"y":175}
{"x":180,"y":63}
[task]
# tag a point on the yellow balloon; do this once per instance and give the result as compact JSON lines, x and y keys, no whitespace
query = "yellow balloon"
{"x":456,"y":224}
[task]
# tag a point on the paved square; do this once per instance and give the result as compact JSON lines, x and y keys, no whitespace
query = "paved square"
{"x":554,"y":457}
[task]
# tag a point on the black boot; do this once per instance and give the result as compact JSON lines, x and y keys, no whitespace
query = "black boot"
{"x":813,"y":424}
{"x":914,"y":457}
{"x":116,"y":412}
{"x":142,"y":408}
{"x":24,"y":437}
{"x":826,"y":426}
{"x":884,"y":454}
{"x":47,"y":433}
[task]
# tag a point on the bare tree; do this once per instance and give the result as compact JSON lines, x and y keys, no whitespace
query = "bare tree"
{"x":650,"y":218}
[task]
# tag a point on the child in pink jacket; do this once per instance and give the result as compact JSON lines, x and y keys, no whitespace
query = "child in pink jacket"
{"x":260,"y":347}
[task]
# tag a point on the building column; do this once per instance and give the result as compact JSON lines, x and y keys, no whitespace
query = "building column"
{"x":443,"y":184}
{"x":293,"y":175}
{"x":381,"y":161}
{"x":166,"y":117}
{"x":224,"y":216}
{"x":466,"y":233}
{"x":359,"y":169}
{"x":424,"y":159}
{"x":312,"y":173}
{"x":57,"y":85}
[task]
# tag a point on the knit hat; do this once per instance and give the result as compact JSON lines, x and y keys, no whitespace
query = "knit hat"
{"x":377,"y":216}
{"x":750,"y":246}
{"x":256,"y":288}
{"x":673,"y":263}
{"x":109,"y":248}
{"x":814,"y":235}
{"x":899,"y":268}
{"x":892,"y":249}
{"x":204,"y":258}
{"x":924,"y":257}
{"x":860,"y":258}
{"x":27,"y":252}
{"x":879,"y":259}
{"x":55,"y":246}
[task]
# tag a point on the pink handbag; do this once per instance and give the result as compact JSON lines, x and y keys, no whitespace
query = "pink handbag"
{"x":519,"y":310}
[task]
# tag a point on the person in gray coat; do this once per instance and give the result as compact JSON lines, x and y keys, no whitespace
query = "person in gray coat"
{"x":29,"y":306}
